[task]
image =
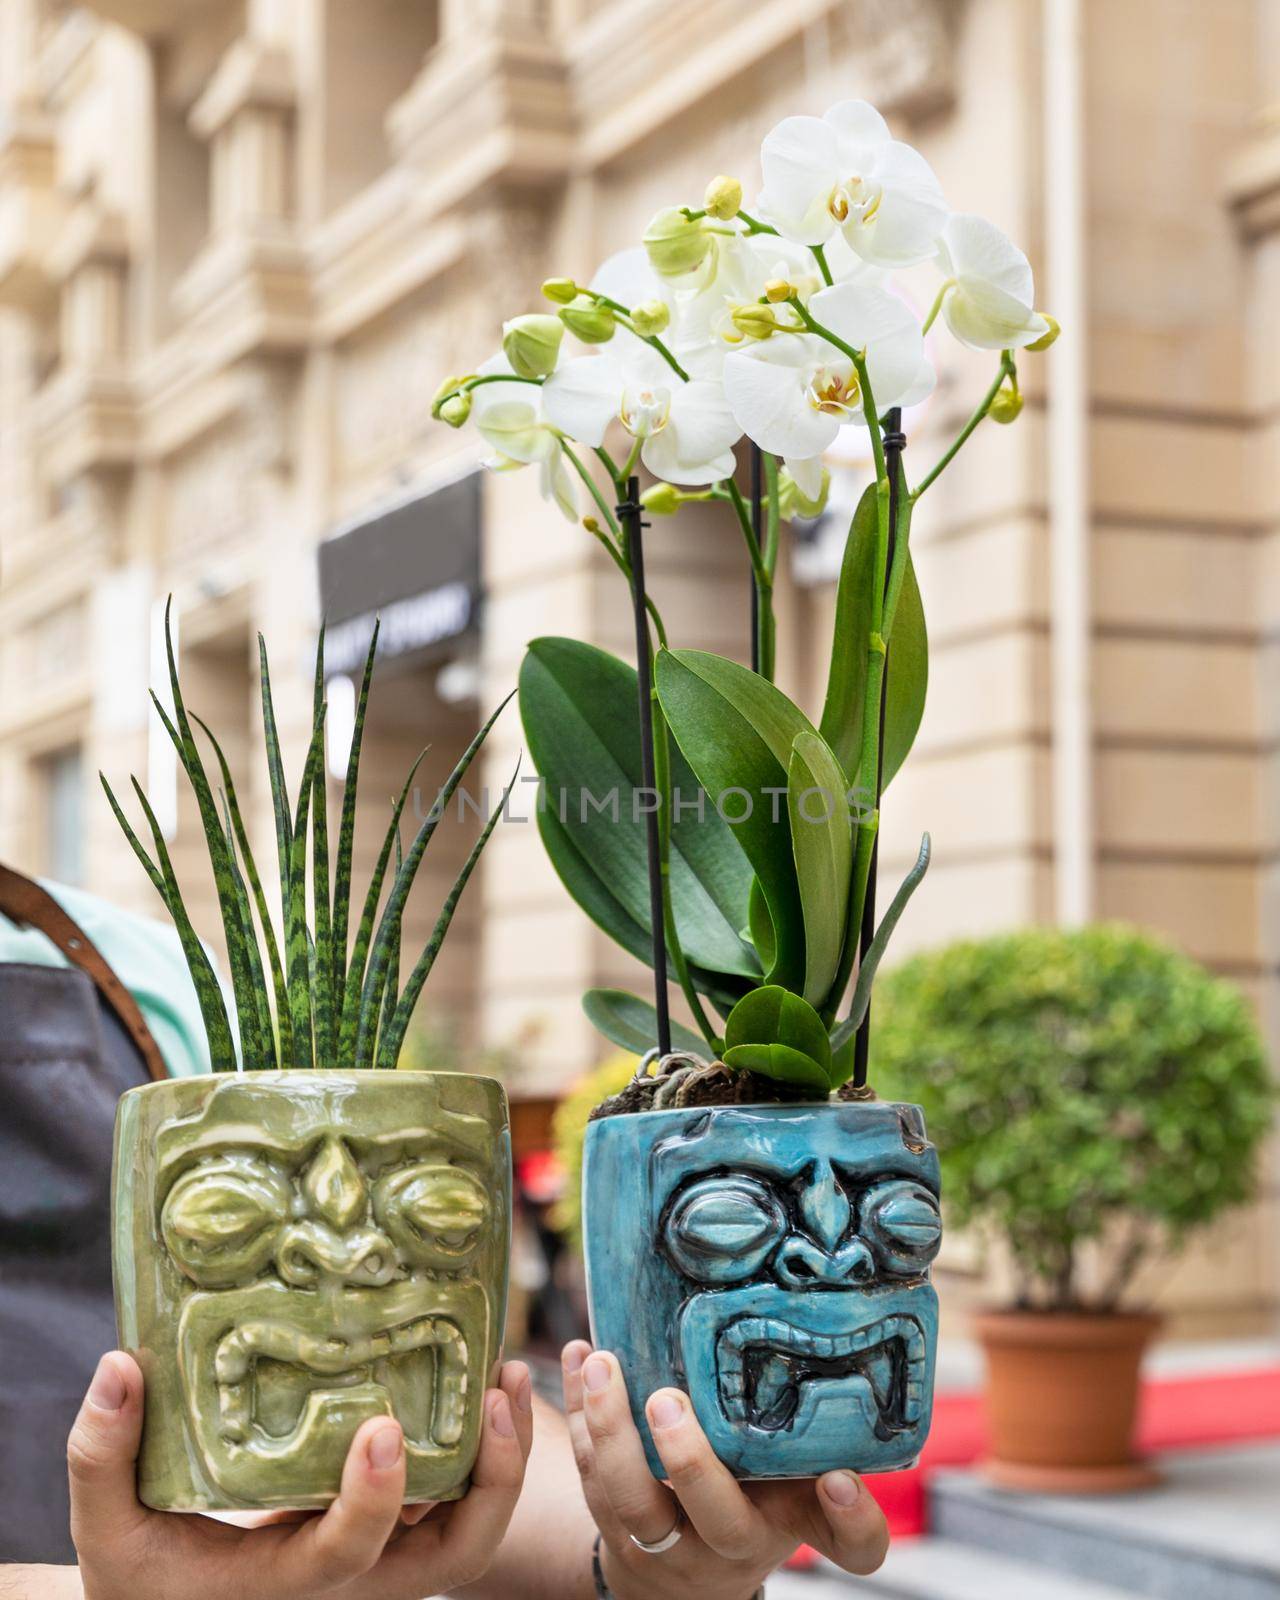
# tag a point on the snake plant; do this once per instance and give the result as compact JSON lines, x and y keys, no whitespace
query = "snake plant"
{"x":329,"y":997}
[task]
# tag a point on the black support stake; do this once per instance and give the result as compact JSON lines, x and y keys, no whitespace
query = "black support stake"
{"x":757,"y":528}
{"x":894,"y":443}
{"x":632,"y":529}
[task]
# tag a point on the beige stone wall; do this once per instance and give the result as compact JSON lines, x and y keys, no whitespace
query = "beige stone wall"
{"x":241,"y":241}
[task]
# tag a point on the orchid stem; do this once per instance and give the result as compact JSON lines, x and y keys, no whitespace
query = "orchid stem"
{"x":1008,"y":369}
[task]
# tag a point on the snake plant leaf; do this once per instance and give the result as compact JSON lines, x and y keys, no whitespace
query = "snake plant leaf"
{"x":632,"y":1023}
{"x":907,"y":672}
{"x":254,"y":1048}
{"x":270,"y":1058}
{"x":393,"y":1037}
{"x":578,"y":704}
{"x":774,"y":1032}
{"x":322,"y":984}
{"x":595,"y":898}
{"x":365,"y":927}
{"x":275,"y":771}
{"x":283,"y":1027}
{"x":297,"y":935}
{"x":391,"y":993}
{"x":878,"y":946}
{"x":347,"y":827}
{"x":380,"y":954}
{"x":736,"y":731}
{"x":213,"y":1009}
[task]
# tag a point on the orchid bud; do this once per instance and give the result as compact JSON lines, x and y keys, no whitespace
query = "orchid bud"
{"x":793,"y":502}
{"x":778,"y":289}
{"x":755,"y":321}
{"x":723,"y":198}
{"x":561,"y":290}
{"x":1046,"y":339}
{"x":588,"y":320}
{"x":663,"y":499}
{"x":650,"y":317}
{"x":456,"y":409}
{"x":1006,"y":406}
{"x":449,"y":387}
{"x":675,"y":243}
{"x":531,"y":344}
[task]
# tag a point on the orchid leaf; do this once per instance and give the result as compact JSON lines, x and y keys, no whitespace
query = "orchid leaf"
{"x":878,"y":946}
{"x":822,"y":844}
{"x":632,"y":1023}
{"x":774,"y":1032}
{"x":736,"y":731}
{"x":579,"y":707}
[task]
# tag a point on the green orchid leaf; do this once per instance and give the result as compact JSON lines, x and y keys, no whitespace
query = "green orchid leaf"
{"x":822,"y":845}
{"x":778,"y":1061}
{"x":581,"y":720}
{"x":841,"y":724}
{"x":597,"y":900}
{"x":632,"y":1023}
{"x":772,"y":1015}
{"x":731,"y":726}
{"x":906,"y":680}
{"x":907,"y":675}
{"x":878,"y":946}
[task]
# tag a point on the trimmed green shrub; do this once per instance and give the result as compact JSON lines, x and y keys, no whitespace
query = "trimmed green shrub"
{"x":1088,"y":1087}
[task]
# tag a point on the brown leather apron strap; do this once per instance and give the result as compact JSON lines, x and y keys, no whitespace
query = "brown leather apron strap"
{"x":24,"y":902}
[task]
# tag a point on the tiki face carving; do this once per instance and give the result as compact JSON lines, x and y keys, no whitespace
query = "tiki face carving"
{"x":793,"y":1256}
{"x":334,"y":1265}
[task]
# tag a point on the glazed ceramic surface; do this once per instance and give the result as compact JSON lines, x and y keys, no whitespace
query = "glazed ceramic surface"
{"x":773,"y":1262}
{"x":297,"y":1251}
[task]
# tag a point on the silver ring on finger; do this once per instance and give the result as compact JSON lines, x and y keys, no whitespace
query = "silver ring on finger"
{"x":665,"y":1543}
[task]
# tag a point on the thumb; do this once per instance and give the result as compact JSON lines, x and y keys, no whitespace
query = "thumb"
{"x":102,"y":1454}
{"x":856,"y":1533}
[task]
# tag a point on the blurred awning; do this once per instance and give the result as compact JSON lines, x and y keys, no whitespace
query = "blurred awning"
{"x":416,"y":565}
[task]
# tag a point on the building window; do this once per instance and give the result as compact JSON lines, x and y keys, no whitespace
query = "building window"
{"x":63,"y":821}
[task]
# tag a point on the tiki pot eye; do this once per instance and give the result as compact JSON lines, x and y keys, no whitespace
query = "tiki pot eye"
{"x":901,"y":1220}
{"x":220,"y":1220}
{"x":724,"y":1229}
{"x":433,"y":1211}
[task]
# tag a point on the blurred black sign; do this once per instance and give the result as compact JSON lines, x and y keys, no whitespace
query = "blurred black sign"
{"x":416,"y":565}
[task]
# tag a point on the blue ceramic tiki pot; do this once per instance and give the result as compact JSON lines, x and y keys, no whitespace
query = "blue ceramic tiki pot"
{"x":772,"y":1262}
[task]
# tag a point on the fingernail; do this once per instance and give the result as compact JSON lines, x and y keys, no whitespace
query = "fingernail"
{"x":596,"y":1374}
{"x":384,"y":1448}
{"x":842,"y":1488}
{"x":572,"y":1358}
{"x":107,"y":1391}
{"x":666,"y":1410}
{"x":500,"y":1418}
{"x":524,"y":1395}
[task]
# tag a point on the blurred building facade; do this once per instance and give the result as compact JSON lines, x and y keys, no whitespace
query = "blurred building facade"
{"x":241,"y":241}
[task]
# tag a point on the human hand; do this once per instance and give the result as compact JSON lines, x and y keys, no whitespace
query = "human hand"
{"x":363,"y":1547}
{"x":732,"y":1534}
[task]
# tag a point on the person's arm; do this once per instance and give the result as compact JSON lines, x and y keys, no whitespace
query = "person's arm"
{"x":27,"y":1582}
{"x":588,"y":1473}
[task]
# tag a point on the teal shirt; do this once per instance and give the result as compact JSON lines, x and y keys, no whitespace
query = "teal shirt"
{"x":146,"y":956}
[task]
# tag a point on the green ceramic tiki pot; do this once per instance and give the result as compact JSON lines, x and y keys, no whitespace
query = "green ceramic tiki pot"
{"x":297,"y":1251}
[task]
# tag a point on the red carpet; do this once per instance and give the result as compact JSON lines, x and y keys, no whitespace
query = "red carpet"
{"x":1175,"y":1414}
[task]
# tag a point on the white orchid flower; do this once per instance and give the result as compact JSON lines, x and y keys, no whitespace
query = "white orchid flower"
{"x":988,"y":300}
{"x":846,"y":172}
{"x":686,"y":429}
{"x":793,"y":392}
{"x":511,"y":418}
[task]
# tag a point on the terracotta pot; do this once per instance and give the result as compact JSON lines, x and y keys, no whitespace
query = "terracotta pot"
{"x":1062,"y":1394}
{"x":295,"y":1252}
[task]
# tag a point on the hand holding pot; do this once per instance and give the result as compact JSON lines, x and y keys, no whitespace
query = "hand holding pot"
{"x":364,"y":1547}
{"x":732,"y":1535}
